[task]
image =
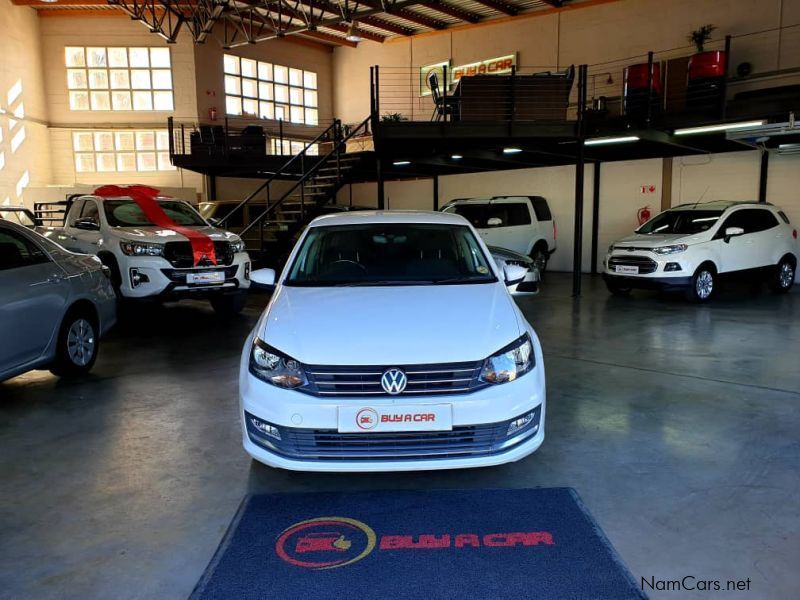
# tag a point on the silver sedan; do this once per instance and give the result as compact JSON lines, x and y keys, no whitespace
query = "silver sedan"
{"x":54,"y":305}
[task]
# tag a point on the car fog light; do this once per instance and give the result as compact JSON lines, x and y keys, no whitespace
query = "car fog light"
{"x":672,"y":266}
{"x":138,"y":278}
{"x":520,"y":423}
{"x":265,"y":428}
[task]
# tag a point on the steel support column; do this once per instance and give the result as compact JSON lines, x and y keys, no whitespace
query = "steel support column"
{"x":763,"y":176}
{"x":595,"y":215}
{"x":436,"y":193}
{"x":381,"y":196}
{"x":579,"y":178}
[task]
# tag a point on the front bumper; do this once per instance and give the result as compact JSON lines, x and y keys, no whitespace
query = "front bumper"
{"x":306,"y":416}
{"x":158,"y":278}
{"x":649,"y":283}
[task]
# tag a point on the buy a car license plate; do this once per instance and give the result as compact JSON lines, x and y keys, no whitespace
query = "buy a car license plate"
{"x":377,"y":419}
{"x":206,"y":277}
{"x":626,"y":270}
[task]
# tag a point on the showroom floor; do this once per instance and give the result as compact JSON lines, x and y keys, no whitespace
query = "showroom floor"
{"x":676,"y":424}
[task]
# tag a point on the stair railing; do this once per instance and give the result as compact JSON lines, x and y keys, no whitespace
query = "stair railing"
{"x":339,"y":144}
{"x":334,"y":128}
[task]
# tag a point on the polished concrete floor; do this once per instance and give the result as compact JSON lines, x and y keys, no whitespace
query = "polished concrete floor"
{"x":679,"y":426}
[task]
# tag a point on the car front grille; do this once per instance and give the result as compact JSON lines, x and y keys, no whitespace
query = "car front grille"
{"x":178,"y":276}
{"x":451,"y":378}
{"x":330,"y":445}
{"x":179,"y":254}
{"x":646,"y":265}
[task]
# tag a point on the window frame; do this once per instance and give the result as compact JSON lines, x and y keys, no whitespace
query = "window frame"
{"x":119,"y":149}
{"x":265,"y":83}
{"x":96,"y":81}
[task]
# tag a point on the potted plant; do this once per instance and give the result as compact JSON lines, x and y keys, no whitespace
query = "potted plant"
{"x":705,"y":64}
{"x":707,"y":72}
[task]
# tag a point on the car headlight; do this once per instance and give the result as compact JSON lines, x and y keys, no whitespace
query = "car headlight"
{"x":511,"y":362}
{"x":131,"y":248}
{"x":272,"y":366}
{"x":674,"y":249}
{"x":237,"y":246}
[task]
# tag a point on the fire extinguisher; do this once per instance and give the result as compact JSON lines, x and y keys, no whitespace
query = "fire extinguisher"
{"x":212,"y":113}
{"x":643,"y":215}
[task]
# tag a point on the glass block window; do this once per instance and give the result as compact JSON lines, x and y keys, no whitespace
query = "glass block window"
{"x":121,"y":151}
{"x":121,"y":79}
{"x":264,"y":90}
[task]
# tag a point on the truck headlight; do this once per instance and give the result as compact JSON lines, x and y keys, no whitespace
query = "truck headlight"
{"x":272,"y":366}
{"x":237,"y":246}
{"x":674,"y":249}
{"x":131,"y":248}
{"x":511,"y":362}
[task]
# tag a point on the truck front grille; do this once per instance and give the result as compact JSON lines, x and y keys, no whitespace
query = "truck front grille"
{"x":179,"y":254}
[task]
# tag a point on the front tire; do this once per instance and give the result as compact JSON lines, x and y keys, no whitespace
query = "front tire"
{"x":539,"y":257}
{"x":703,"y":284}
{"x":229,"y":305}
{"x":78,"y":344}
{"x":783,"y":278}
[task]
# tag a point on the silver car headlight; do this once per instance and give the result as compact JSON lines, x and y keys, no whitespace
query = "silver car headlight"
{"x":131,"y":248}
{"x":511,"y":362}
{"x":237,"y":246}
{"x":673,"y":249}
{"x":272,"y":366}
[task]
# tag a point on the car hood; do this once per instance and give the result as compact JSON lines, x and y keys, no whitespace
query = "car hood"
{"x":639,"y":240}
{"x":400,"y":325}
{"x":162,"y":234}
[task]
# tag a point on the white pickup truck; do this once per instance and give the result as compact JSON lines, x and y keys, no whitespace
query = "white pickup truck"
{"x":148,"y":261}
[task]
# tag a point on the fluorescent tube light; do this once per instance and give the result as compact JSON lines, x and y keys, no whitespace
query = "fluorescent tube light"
{"x":512,"y":150}
{"x":611,"y":140}
{"x":401,"y":163}
{"x":720,"y":127}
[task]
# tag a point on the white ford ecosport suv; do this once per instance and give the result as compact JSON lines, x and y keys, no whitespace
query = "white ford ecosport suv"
{"x":692,"y":246}
{"x":391,"y":343}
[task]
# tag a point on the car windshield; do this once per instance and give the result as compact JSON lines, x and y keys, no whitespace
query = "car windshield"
{"x":389,"y":254}
{"x":681,"y":221}
{"x":126,"y":213}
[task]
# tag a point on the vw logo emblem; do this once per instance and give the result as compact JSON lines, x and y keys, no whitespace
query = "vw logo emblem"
{"x":394,"y":381}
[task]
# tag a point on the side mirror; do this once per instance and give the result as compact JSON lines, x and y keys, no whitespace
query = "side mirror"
{"x":87,"y":224}
{"x":732,"y":232}
{"x":494,"y":222}
{"x":515,"y":274}
{"x":263,"y":278}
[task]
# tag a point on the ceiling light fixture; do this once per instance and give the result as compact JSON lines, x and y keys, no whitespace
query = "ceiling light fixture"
{"x":401,"y":163}
{"x":512,"y":150}
{"x":456,"y":157}
{"x":353,"y":34}
{"x":48,"y":1}
{"x":721,"y":127}
{"x":611,"y":140}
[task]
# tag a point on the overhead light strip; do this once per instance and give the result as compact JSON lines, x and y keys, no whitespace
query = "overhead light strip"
{"x":720,"y":127}
{"x":611,"y":140}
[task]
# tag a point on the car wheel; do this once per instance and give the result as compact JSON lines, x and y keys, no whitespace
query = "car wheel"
{"x":229,"y":305}
{"x":703,"y":284}
{"x":539,"y":258}
{"x":783,"y":279}
{"x":78,"y":343}
{"x":617,"y":289}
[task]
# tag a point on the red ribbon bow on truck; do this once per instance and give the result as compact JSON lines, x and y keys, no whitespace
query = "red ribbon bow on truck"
{"x":145,"y":198}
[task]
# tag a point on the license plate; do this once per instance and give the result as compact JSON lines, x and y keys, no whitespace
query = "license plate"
{"x":626,"y":270}
{"x":376,"y":419}
{"x":206,"y":277}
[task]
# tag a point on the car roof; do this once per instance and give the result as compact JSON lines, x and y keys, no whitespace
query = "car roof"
{"x":101,"y":198}
{"x":487,"y":200}
{"x":359,"y":217}
{"x":718,"y":204}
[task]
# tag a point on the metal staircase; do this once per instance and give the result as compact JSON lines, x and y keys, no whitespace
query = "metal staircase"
{"x":313,"y":181}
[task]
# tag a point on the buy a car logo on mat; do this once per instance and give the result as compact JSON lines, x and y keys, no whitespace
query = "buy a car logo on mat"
{"x":331,"y":542}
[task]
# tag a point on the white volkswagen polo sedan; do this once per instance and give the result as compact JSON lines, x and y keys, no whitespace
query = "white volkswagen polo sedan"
{"x":391,"y":343}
